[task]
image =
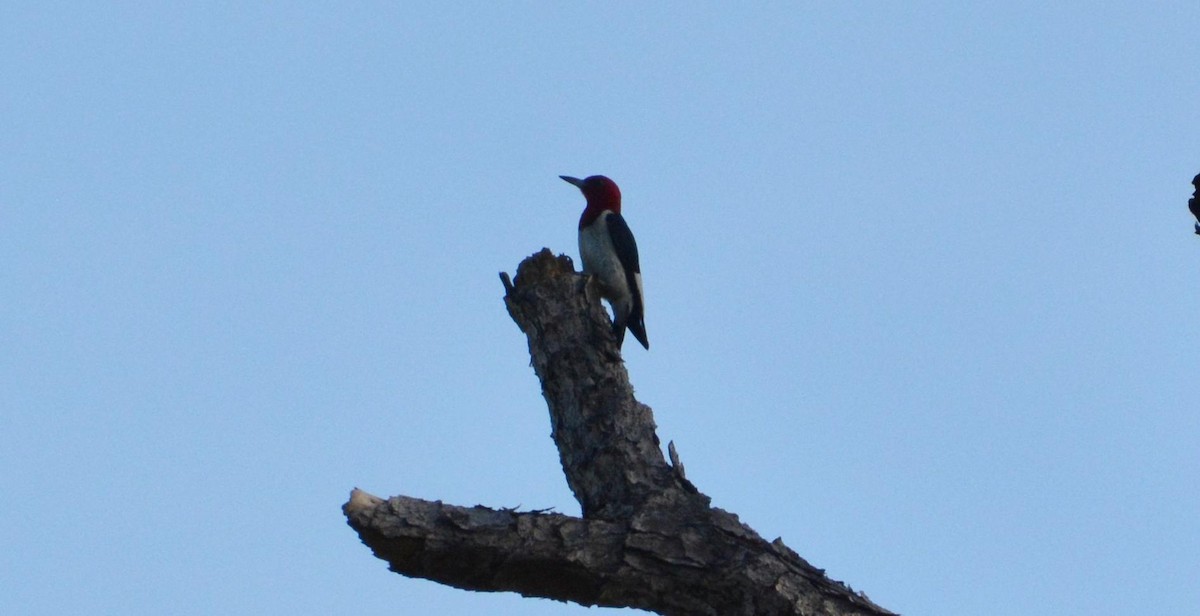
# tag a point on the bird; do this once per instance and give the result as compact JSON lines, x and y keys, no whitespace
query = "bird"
{"x":1194,"y":202}
{"x":610,"y":255}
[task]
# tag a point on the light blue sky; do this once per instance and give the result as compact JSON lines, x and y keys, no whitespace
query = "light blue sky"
{"x":921,"y":289}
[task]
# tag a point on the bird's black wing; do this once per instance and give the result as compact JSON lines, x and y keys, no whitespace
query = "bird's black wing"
{"x":623,"y":242}
{"x":627,"y":252}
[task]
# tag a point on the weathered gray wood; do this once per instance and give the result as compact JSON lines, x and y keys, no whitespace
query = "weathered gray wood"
{"x":606,"y":441}
{"x":647,"y":539}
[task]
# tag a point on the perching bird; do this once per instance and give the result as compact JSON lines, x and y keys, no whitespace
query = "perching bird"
{"x":1194,"y":202}
{"x":610,"y":254}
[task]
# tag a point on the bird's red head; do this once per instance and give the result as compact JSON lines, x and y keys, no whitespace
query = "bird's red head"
{"x":601,"y":194}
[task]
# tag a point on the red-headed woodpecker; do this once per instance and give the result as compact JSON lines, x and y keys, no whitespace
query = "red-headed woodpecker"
{"x":610,"y":254}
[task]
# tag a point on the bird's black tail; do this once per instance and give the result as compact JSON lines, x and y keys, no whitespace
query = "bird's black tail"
{"x":634,"y":324}
{"x":638,"y":327}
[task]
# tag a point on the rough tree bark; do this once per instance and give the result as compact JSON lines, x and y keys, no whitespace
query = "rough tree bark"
{"x":647,"y":539}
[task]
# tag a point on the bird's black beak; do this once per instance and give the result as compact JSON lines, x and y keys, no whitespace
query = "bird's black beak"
{"x":570,"y":180}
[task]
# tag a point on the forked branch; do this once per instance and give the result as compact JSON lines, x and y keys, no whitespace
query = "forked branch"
{"x":647,"y":539}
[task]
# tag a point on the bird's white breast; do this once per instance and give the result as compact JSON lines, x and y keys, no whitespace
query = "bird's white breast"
{"x":600,"y":259}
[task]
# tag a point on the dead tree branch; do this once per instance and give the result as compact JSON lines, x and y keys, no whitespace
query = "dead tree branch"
{"x":647,"y":539}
